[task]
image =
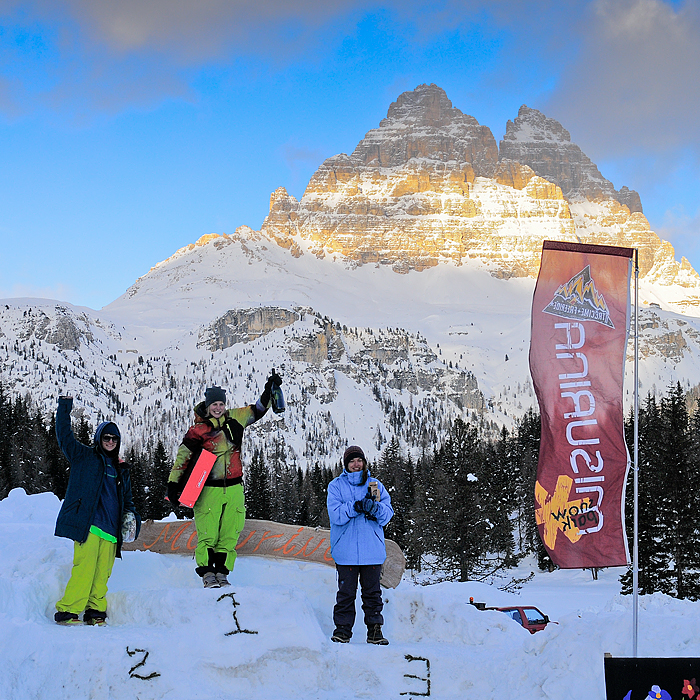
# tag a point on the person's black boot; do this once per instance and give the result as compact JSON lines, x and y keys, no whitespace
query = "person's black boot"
{"x":66,"y":618}
{"x":94,"y":617}
{"x":375,"y":636}
{"x":220,"y":569}
{"x":341,"y":635}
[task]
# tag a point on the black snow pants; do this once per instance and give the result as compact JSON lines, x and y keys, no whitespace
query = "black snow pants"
{"x":344,"y":610}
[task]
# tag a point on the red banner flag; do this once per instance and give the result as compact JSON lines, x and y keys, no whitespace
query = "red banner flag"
{"x":580,"y":321}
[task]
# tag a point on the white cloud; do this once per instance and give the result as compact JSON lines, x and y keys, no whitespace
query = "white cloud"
{"x":634,"y":83}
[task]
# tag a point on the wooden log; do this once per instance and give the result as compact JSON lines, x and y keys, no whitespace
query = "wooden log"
{"x":262,"y":538}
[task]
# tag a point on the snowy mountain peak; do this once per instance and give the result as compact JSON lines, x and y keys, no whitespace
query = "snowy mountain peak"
{"x":532,"y":125}
{"x":544,"y":145}
{"x":423,"y":124}
{"x":427,"y":105}
{"x":428,"y":187}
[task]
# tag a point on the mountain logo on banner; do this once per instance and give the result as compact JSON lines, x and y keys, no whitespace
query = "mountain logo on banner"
{"x":579,"y":299}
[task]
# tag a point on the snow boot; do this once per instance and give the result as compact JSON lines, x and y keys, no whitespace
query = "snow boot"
{"x":221,"y":578}
{"x":217,"y":562}
{"x":95,"y":617}
{"x":210,"y":581}
{"x":66,"y":618}
{"x":375,"y":636}
{"x":341,"y":635}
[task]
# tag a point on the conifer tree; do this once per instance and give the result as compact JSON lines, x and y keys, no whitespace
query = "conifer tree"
{"x":285,"y":500}
{"x":456,"y":505}
{"x":652,"y":555}
{"x":83,"y":430}
{"x":421,"y":531}
{"x":302,"y":517}
{"x":5,"y":432}
{"x":396,"y":474}
{"x":527,"y":450}
{"x":156,"y":480}
{"x":26,"y":464}
{"x":257,"y":490}
{"x":498,"y":488}
{"x":57,"y":464}
{"x":315,"y":492}
{"x":137,"y":471}
{"x":678,"y":512}
{"x":691,"y":511}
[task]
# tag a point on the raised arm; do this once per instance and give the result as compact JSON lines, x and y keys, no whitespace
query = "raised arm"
{"x":71,"y":448}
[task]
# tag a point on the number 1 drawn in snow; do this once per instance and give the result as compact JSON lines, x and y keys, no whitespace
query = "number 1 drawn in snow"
{"x":132,"y":674}
{"x":426,"y":680}
{"x":238,"y":629}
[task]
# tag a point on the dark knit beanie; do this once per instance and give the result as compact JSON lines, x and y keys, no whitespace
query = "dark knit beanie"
{"x":212,"y":394}
{"x":352,"y":452}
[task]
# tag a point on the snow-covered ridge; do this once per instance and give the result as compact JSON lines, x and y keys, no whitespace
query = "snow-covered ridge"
{"x":366,"y":354}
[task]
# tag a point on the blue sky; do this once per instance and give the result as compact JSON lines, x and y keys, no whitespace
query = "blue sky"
{"x":129,"y":129}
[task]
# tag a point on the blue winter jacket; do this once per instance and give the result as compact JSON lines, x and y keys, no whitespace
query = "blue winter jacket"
{"x":87,"y":472}
{"x":356,"y":539}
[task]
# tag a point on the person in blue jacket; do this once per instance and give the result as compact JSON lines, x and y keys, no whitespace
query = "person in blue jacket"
{"x":97,"y":509}
{"x":358,"y":508}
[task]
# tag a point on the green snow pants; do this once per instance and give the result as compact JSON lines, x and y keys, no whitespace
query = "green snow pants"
{"x":92,"y":566}
{"x":219,"y":516}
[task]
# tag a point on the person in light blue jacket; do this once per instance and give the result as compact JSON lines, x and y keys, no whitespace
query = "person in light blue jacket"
{"x":358,"y":508}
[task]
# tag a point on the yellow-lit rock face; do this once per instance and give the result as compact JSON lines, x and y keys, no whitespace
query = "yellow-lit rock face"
{"x":513,"y":174}
{"x":427,"y":187}
{"x":414,"y":217}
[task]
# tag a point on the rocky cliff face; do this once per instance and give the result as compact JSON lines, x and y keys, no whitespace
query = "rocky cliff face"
{"x":544,"y":145}
{"x":423,"y":124}
{"x":389,"y":357}
{"x":244,"y":326}
{"x":429,"y":185}
{"x":63,"y":329}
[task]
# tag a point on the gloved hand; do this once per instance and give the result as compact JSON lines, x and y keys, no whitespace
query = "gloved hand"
{"x":273,"y":380}
{"x":265,"y":396}
{"x":174,"y":492}
{"x":359,"y":507}
{"x":370,"y":506}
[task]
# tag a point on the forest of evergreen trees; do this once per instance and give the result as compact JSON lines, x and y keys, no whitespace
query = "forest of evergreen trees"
{"x":463,"y":511}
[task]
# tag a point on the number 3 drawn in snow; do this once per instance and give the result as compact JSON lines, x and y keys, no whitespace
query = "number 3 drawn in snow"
{"x":132,"y":670}
{"x":426,"y":680}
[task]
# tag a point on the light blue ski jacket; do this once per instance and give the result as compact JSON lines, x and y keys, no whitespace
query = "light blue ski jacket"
{"x":356,"y":539}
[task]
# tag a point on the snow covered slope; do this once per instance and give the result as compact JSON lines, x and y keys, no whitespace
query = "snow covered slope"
{"x":267,"y":636}
{"x":353,"y":343}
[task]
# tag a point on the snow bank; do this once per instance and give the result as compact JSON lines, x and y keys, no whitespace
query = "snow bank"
{"x":267,"y":636}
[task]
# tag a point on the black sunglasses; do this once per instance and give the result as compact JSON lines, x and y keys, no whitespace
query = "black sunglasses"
{"x":110,"y":438}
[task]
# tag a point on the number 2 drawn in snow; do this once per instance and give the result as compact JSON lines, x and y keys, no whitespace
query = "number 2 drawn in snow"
{"x":132,"y":670}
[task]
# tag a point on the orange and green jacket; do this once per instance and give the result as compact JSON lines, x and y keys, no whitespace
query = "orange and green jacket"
{"x":221,"y":436}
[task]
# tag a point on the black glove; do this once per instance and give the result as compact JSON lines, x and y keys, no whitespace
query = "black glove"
{"x":359,"y":508}
{"x":267,"y":392}
{"x":370,"y":506}
{"x":273,"y":380}
{"x":174,"y":492}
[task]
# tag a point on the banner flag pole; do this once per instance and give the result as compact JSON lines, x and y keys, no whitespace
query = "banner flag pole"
{"x":635,"y":564}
